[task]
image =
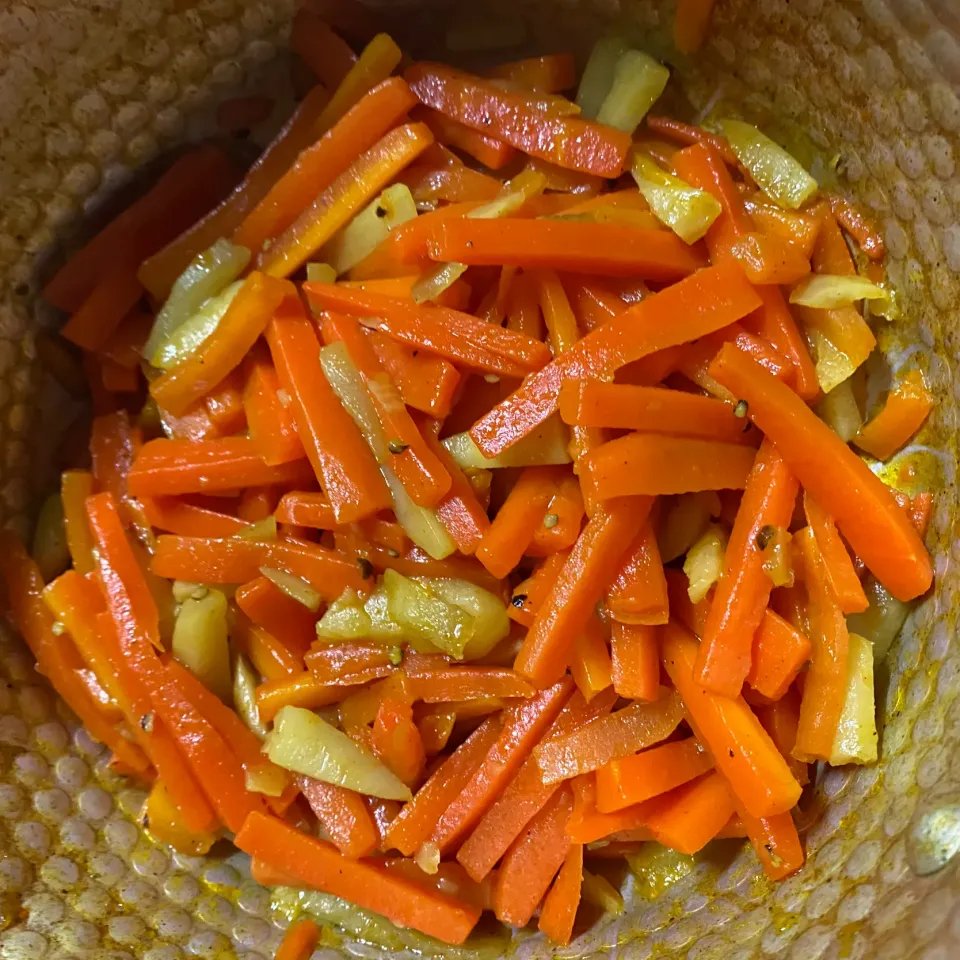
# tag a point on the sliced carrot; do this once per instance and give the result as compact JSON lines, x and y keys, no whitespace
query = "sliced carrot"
{"x":638,"y":593}
{"x":768,"y":259}
{"x":343,"y":814}
{"x":779,"y":652}
{"x":330,"y":664}
{"x":467,"y":683}
{"x":321,"y":866}
{"x":559,"y":909}
{"x":177,"y":516}
{"x":776,"y":843}
{"x":563,"y":519}
{"x":303,"y":689}
{"x":744,"y":588}
{"x":440,"y":176}
{"x":866,"y":235}
{"x":269,"y":413}
{"x":579,"y":585}
{"x":272,"y":660}
{"x":426,"y":382}
{"x":688,"y":818}
{"x":839,"y":565}
{"x":306,"y":510}
{"x":691,"y":24}
{"x":635,"y":661}
{"x":799,"y":228}
{"x":688,"y":134}
{"x":322,"y":50}
{"x":741,"y":748}
{"x":115,"y":444}
{"x":530,"y":864}
{"x":302,"y":936}
{"x":780,"y":719}
{"x":114,"y":296}
{"x":709,"y":300}
{"x":280,"y":615}
{"x":860,"y":503}
{"x":902,"y":415}
{"x":587,"y":824}
{"x":492,"y":153}
{"x":530,"y":594}
{"x":339,"y":455}
{"x":552,"y":73}
{"x":396,"y":740}
{"x":75,"y":487}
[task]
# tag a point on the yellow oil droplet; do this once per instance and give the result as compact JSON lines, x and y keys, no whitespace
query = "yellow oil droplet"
{"x":845,"y":939}
{"x":783,"y":921}
{"x":11,"y":910}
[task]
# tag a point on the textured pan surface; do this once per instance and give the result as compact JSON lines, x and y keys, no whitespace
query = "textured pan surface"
{"x":91,"y":91}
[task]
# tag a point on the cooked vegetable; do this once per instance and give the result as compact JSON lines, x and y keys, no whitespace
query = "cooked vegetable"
{"x":883,"y":619}
{"x":704,"y":562}
{"x":638,"y":81}
{"x":200,"y":641}
{"x":684,"y":209}
{"x":321,"y":273}
{"x":825,"y":292}
{"x":50,"y":549}
{"x":597,"y":78}
{"x":856,"y":737}
{"x":294,"y":587}
{"x":304,"y":743}
{"x":839,"y":409}
{"x":546,"y":445}
{"x":245,"y":682}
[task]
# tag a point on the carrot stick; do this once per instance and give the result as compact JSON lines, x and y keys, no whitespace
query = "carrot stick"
{"x":306,"y":510}
{"x":319,"y":164}
{"x":270,"y":420}
{"x":492,"y":153}
{"x":632,"y":466}
{"x":552,"y":73}
{"x":780,"y":719}
{"x":523,"y":726}
{"x":280,"y":615}
{"x":741,"y":748}
{"x":519,"y":119}
{"x":580,"y":584}
{"x":692,"y":615}
{"x":563,"y":520}
{"x":825,"y":688}
{"x":344,"y":816}
{"x":396,"y":740}
{"x":691,"y":24}
{"x":768,"y":259}
{"x":458,"y":683}
{"x":839,"y":566}
{"x":860,"y":503}
{"x":590,"y":664}
{"x":800,"y":229}
{"x":75,"y":487}
{"x":868,"y":238}
{"x":530,"y":864}
{"x":173,"y":467}
{"x":270,"y":658}
{"x":776,"y":843}
{"x":340,"y":457}
{"x":302,"y":936}
{"x":303,"y":689}
{"x":559,"y":909}
{"x":322,"y":50}
{"x":331,"y":664}
{"x":426,"y":383}
{"x":709,"y":300}
{"x":635,"y":657}
{"x":321,"y":866}
{"x":114,"y":445}
{"x":458,"y":336}
{"x":587,"y":824}
{"x":903,"y":414}
{"x":346,"y":195}
{"x":638,"y":594}
{"x":779,"y":652}
{"x":114,"y":296}
{"x":744,"y":588}
{"x":604,"y":249}
{"x":440,"y":176}
{"x":687,"y":134}
{"x":610,"y":737}
{"x":186,"y":519}
{"x":415,"y":822}
{"x":688,"y":818}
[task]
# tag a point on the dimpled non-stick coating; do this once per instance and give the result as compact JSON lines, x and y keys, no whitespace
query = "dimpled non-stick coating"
{"x":91,"y":91}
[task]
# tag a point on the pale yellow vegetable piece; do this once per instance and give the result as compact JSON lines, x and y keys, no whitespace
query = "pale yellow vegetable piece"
{"x":435,"y":281}
{"x":656,"y":869}
{"x":600,"y":892}
{"x":294,"y":587}
{"x":428,"y":858}
{"x":420,"y":524}
{"x":839,"y":409}
{"x":597,"y":76}
{"x":683,"y":519}
{"x":245,"y":683}
{"x":265,"y":529}
{"x":200,"y":642}
{"x":833,"y":366}
{"x":545,"y":446}
{"x":882,"y":620}
{"x":304,"y":743}
{"x":856,"y":738}
{"x":321,"y":273}
{"x":267,"y":778}
{"x":777,"y":173}
{"x":426,"y":617}
{"x":638,"y":81}
{"x":490,"y":623}
{"x":704,"y":562}
{"x":687,"y":211}
{"x":181,"y":342}
{"x":826,"y":291}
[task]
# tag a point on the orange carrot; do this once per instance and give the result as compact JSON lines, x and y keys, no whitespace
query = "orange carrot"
{"x":638,"y":594}
{"x":688,"y":818}
{"x":303,"y":689}
{"x":489,"y":151}
{"x":302,"y":936}
{"x":590,"y":664}
{"x":780,"y":719}
{"x":346,"y":195}
{"x":321,"y":866}
{"x":635,"y":657}
{"x":776,"y":843}
{"x":691,"y":24}
{"x":306,"y":510}
{"x":799,"y":228}
{"x":458,"y":683}
{"x":114,"y":445}
{"x":441,"y":176}
{"x":426,"y":383}
{"x":523,"y":726}
{"x":415,"y":822}
{"x":396,"y":740}
{"x":768,"y":259}
{"x":779,"y":652}
{"x":270,"y":420}
{"x":530,"y":864}
{"x":709,"y":300}
{"x":744,"y":588}
{"x":860,"y":503}
{"x":866,"y":235}
{"x":339,"y":455}
{"x":458,"y":336}
{"x":687,"y":134}
{"x":604,"y":249}
{"x":280,"y":615}
{"x":559,"y":908}
{"x":322,"y":162}
{"x":102,"y":311}
{"x":632,"y":466}
{"x":344,"y":816}
{"x":622,"y":783}
{"x":322,"y":50}
{"x":563,"y":519}
{"x":177,"y":516}
{"x":586,"y":572}
{"x":552,"y":73}
{"x":741,"y":748}
{"x":839,"y":566}
{"x":332,"y":663}
{"x":826,"y":681}
{"x":903,"y":414}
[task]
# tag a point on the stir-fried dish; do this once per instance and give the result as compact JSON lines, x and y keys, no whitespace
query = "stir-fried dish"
{"x":474,"y":493}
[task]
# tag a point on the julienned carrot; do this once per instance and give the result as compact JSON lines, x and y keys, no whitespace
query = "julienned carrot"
{"x":868,"y":238}
{"x":605,"y":249}
{"x":552,"y":73}
{"x":176,"y":467}
{"x":270,"y":658}
{"x":860,"y":503}
{"x":709,"y":300}
{"x":744,"y":588}
{"x":300,"y":939}
{"x":622,"y":783}
{"x":415,"y":464}
{"x":339,"y":455}
{"x":837,"y":561}
{"x":586,"y":572}
{"x":320,"y":48}
{"x":321,"y":866}
{"x":270,"y":421}
{"x":638,"y":594}
{"x":903,"y":414}
{"x":303,"y":689}
{"x":319,"y":164}
{"x":650,"y":409}
{"x":688,"y":134}
{"x":590,"y":664}
{"x":109,"y":302}
{"x":343,"y":198}
{"x":779,"y":652}
{"x":780,"y":719}
{"x":525,"y":795}
{"x":396,"y":740}
{"x":75,"y":487}
{"x":330,"y":664}
{"x":563,"y":519}
{"x":687,"y":819}
{"x":417,"y":819}
{"x":799,"y":228}
{"x":769,"y":259}
{"x":825,"y":687}
{"x":517,"y":520}
{"x":457,"y":336}
{"x":776,"y":843}
{"x":305,"y":509}
{"x":610,"y":737}
{"x":530,"y":864}
{"x":343,"y":814}
{"x":489,"y":151}
{"x":441,"y":176}
{"x":559,"y":909}
{"x":280,"y":615}
{"x":426,"y":382}
{"x":523,"y":726}
{"x":457,"y":684}
{"x":529,"y":596}
{"x":114,"y":445}
{"x":741,"y":748}
{"x":520,"y":120}
{"x":633,"y":465}
{"x":173,"y":515}
{"x":691,"y":24}
{"x":635,"y":661}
